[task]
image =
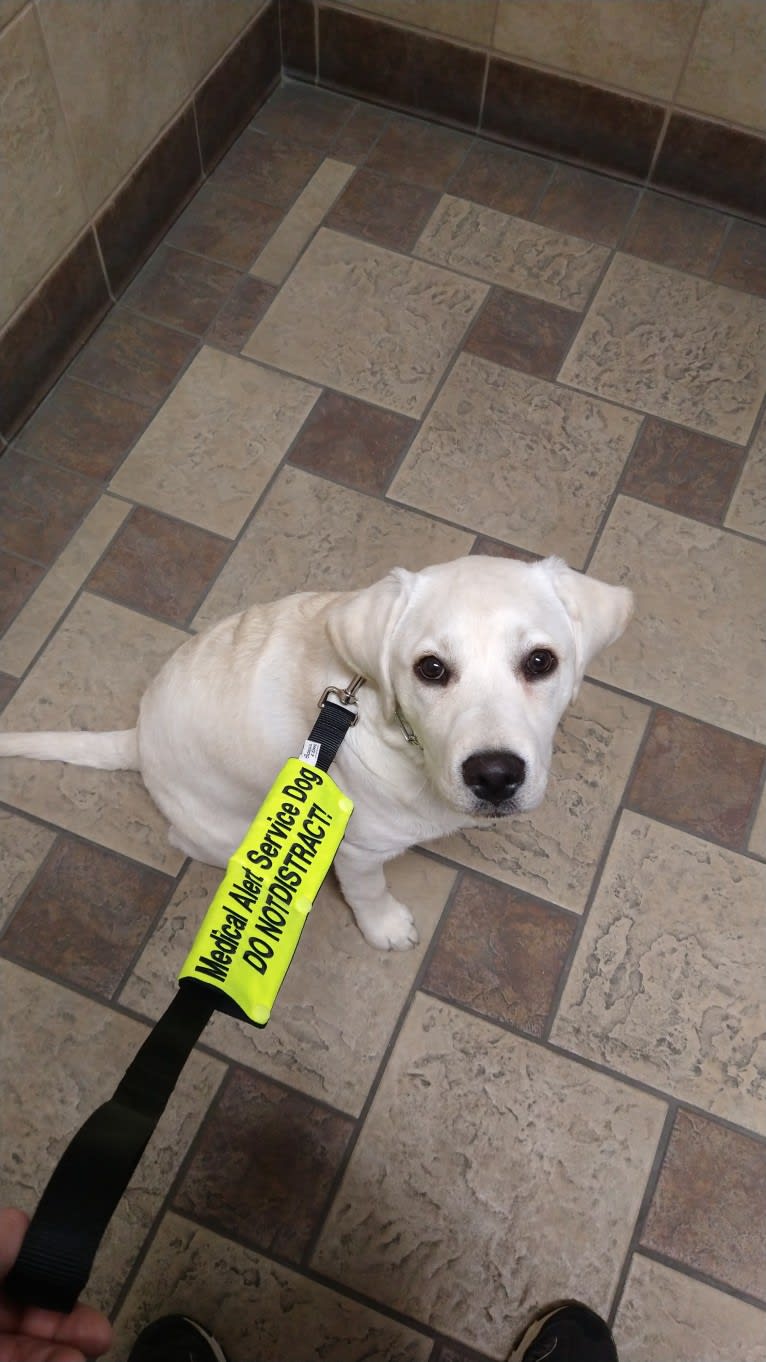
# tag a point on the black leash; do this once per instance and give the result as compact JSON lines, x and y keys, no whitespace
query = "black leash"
{"x":85,"y":1188}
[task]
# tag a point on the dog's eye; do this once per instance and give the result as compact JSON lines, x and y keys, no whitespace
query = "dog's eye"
{"x":540,"y":662}
{"x":432,"y":669}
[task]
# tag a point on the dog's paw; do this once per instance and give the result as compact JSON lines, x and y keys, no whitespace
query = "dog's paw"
{"x":389,"y":926}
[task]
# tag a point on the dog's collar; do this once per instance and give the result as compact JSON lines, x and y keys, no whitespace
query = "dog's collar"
{"x":406,"y":730}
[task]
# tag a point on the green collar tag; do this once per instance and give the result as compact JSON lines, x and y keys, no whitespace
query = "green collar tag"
{"x":252,"y":927}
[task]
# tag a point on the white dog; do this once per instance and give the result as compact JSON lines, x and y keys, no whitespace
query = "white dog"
{"x":468,"y":668}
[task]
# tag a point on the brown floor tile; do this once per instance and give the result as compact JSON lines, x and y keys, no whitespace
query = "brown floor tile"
{"x":264,"y":168}
{"x":353,"y":442}
{"x":586,"y":205}
{"x":494,"y":548}
{"x":683,"y":470}
{"x":709,"y":1209}
{"x":8,"y":685}
{"x":264,"y":1164}
{"x":181,"y":290}
{"x":224,"y":227}
{"x":522,"y":333}
{"x":383,"y":210}
{"x":360,"y":133}
{"x":743,"y":259}
{"x":84,"y":429}
{"x":305,"y":114}
{"x":18,"y":580}
{"x":499,"y":177}
{"x":697,"y":777}
{"x":670,"y":232}
{"x":85,"y":915}
{"x":240,"y":314}
{"x":42,"y":505}
{"x":453,"y":1352}
{"x":501,"y":953}
{"x":134,"y":357}
{"x":159,"y":565}
{"x":422,"y":152}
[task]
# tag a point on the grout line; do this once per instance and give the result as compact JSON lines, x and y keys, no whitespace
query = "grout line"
{"x":643,"y":1210}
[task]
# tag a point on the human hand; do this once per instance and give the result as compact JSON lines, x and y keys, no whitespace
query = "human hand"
{"x":28,"y":1334}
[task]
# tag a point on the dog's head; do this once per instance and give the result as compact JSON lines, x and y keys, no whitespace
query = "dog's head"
{"x":480,"y":657}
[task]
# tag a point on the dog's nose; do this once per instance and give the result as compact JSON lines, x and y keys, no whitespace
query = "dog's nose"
{"x":494,"y":776}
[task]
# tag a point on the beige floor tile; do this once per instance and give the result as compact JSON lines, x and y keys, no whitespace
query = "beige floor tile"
{"x":23,"y":848}
{"x":255,"y":1308}
{"x":747,"y":511}
{"x":698,"y":607}
{"x":757,"y":843}
{"x":726,"y":72}
{"x":665,"y":1316}
{"x":666,"y":983}
{"x":313,"y":535}
{"x":341,"y":999}
{"x":365,"y":320}
{"x":281,"y":252}
{"x":555,"y":851}
{"x":490,"y":1176}
{"x":502,"y":452}
{"x":211,"y":449}
{"x":62,"y":1057}
{"x":673,"y":345}
{"x":511,"y":252}
{"x":91,"y":676}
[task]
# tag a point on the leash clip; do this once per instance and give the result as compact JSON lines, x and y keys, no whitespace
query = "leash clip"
{"x":346,"y":697}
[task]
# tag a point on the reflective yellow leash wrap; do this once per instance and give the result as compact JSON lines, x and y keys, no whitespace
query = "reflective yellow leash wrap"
{"x":252,"y":927}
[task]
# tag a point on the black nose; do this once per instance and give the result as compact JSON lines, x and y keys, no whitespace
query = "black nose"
{"x":494,"y":776}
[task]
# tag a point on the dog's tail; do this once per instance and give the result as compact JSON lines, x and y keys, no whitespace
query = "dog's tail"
{"x":116,"y":751}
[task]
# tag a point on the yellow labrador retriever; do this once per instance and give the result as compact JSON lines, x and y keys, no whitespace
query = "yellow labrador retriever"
{"x":469,"y":666}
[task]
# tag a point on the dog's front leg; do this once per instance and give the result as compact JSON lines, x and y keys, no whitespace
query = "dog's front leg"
{"x":381,"y":919}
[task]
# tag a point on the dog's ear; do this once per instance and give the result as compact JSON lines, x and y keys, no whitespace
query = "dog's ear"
{"x":599,"y":613}
{"x":361,"y":626}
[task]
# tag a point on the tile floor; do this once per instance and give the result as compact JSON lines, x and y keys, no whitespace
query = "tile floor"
{"x":369,"y":341}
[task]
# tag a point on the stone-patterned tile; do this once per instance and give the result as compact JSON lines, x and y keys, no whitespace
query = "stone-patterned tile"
{"x":742,"y":262}
{"x":299,"y":224}
{"x":7,"y":688}
{"x":470,"y":20}
{"x":241,"y":312}
{"x":159,"y":565}
{"x":42,"y":505}
{"x":60,"y":1060}
{"x":700,"y":778}
{"x":374,"y":324}
{"x":85,"y":916}
{"x":411,"y":149}
{"x":665,"y":985}
{"x":757,"y":842}
{"x":511,"y":252}
{"x":522,"y":333}
{"x":254,"y":1307}
{"x":306,"y":527}
{"x":493,"y":548}
{"x":665,"y":1316}
{"x":671,"y":232}
{"x":503,"y":178}
{"x":340,"y":1001}
{"x":268,"y":169}
{"x":224,"y":227}
{"x":263,"y":1167}
{"x":554,"y":853}
{"x":483,"y":1150}
{"x":352,"y":442}
{"x":697,"y":589}
{"x":675,"y":346}
{"x":588,"y":205}
{"x":359,"y":135}
{"x":181,"y":290}
{"x":238,"y":86}
{"x":18,"y":579}
{"x":526,"y":438}
{"x":709,"y":1207}
{"x":725,"y":73}
{"x":134,"y":358}
{"x":304,"y":113}
{"x":204,"y":458}
{"x":83,"y":429}
{"x":500,"y":952}
{"x":23,"y":848}
{"x":91,"y":676}
{"x":682,"y":470}
{"x":388,"y":212}
{"x":209,"y":30}
{"x":709,"y":161}
{"x":748,"y":506}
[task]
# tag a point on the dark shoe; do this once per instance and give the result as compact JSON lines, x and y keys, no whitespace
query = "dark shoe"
{"x":174,"y":1338}
{"x":568,"y":1332}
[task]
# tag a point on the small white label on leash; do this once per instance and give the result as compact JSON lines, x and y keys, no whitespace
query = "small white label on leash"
{"x":310,"y":751}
